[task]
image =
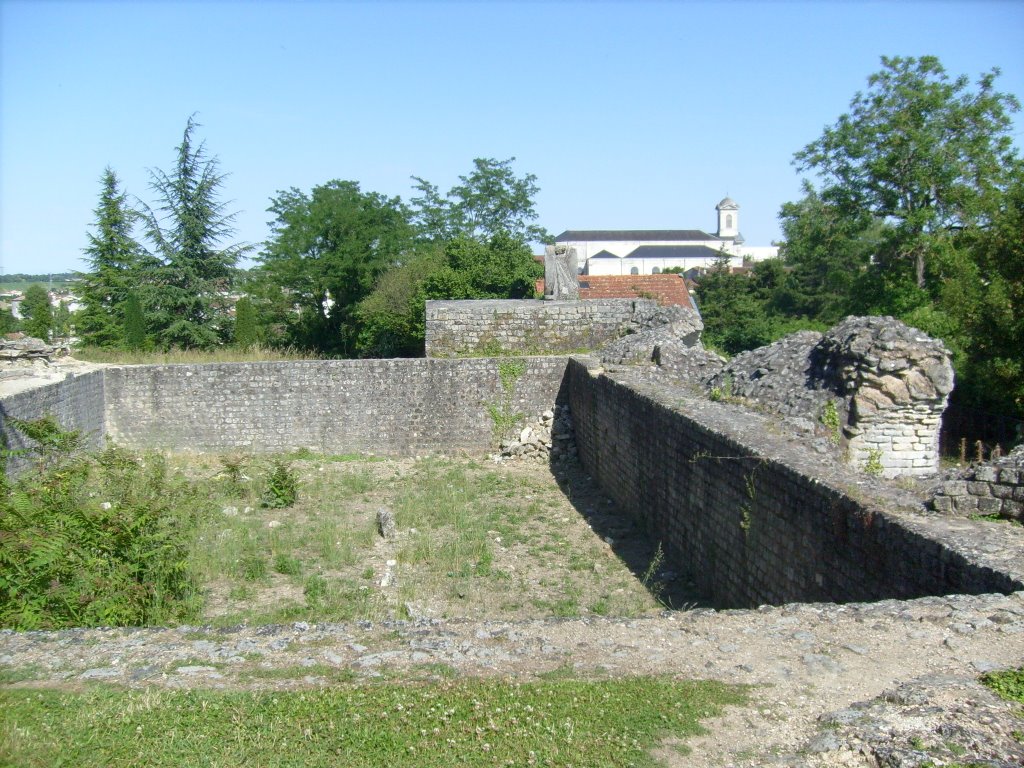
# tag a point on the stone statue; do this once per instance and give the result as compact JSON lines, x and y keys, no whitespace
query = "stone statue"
{"x":560,"y":281}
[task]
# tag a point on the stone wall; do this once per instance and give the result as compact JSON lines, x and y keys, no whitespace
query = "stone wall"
{"x":76,"y":403}
{"x":754,"y":515}
{"x":494,"y":327}
{"x":391,"y":407}
{"x":995,"y":489}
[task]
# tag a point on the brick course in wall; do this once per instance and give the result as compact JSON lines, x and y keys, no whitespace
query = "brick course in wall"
{"x":752,"y":516}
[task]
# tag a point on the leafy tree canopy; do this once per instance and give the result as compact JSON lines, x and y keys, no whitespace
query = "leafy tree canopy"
{"x":37,"y":312}
{"x":489,"y":201}
{"x":918,"y":214}
{"x":326,"y":251}
{"x":925,"y":154}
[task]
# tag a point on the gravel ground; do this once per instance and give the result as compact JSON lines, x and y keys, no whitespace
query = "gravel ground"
{"x":817,"y":670}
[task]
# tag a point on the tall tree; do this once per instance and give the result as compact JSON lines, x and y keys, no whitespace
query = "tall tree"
{"x":925,"y":154}
{"x":827,"y":250}
{"x":187,"y":229}
{"x":114,"y":259}
{"x":326,"y":251}
{"x":488,"y":201}
{"x":37,"y":312}
{"x":246,"y":327}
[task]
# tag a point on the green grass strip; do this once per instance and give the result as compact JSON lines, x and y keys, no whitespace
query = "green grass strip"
{"x":465,"y":723}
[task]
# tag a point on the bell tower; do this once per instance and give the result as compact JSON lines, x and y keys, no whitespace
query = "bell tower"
{"x":728,"y":219}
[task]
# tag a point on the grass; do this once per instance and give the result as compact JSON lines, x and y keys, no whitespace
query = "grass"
{"x":557,"y":722}
{"x":469,"y":536}
{"x":1009,"y":684}
{"x":255,"y":354}
{"x":473,"y":541}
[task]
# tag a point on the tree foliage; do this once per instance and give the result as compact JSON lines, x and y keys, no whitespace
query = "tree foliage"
{"x":37,"y":312}
{"x":246,"y":327}
{"x":193,"y":270}
{"x":489,"y":201}
{"x":115,"y":261}
{"x":326,"y":251}
{"x":918,"y":215}
{"x":927,"y":155}
{"x":135,"y":334}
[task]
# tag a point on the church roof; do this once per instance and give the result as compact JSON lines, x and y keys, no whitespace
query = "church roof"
{"x":727,"y":204}
{"x":604,"y":255}
{"x":673,"y":252}
{"x":640,"y":235}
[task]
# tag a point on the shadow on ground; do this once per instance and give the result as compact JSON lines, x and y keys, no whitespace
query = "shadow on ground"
{"x":670,"y":583}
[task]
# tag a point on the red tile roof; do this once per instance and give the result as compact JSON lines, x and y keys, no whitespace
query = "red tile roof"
{"x":667,"y":289}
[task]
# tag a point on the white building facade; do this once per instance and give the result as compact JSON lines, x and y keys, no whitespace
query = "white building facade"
{"x":651,"y":251}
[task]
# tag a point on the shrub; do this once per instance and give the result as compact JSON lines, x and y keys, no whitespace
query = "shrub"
{"x":97,"y":540}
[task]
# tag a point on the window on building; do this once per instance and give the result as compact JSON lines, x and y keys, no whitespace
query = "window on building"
{"x":728,"y":221}
{"x":634,"y":271}
{"x":656,"y":271}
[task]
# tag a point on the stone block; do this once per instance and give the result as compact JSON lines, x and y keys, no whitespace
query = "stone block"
{"x":986,"y":474}
{"x":989,"y":506}
{"x":1001,"y":491}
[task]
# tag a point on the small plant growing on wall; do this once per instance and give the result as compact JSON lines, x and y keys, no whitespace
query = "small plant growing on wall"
{"x":830,"y":420}
{"x":503,"y":417}
{"x":873,"y":465}
{"x":724,"y":392}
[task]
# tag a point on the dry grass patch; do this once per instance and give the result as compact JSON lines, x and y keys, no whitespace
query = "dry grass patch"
{"x":473,"y":540}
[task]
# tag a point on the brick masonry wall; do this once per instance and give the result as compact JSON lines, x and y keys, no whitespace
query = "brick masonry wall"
{"x":525,"y":326}
{"x":391,"y":407}
{"x":76,"y":403}
{"x":992,"y":489}
{"x":751,"y":515}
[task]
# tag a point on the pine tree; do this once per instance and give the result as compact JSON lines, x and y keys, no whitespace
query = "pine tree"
{"x":115,"y":261}
{"x":186,"y":228}
{"x":246,"y":332}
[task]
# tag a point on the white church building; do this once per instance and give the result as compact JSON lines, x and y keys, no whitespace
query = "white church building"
{"x":651,"y":251}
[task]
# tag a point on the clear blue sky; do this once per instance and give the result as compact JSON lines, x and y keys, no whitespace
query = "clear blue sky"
{"x":631,"y":115}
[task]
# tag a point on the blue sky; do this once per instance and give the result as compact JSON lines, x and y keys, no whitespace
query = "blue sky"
{"x":631,"y":115}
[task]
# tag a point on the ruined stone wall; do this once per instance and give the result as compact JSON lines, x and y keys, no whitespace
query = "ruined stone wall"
{"x":391,"y":407}
{"x":752,"y":514}
{"x":493,"y":327}
{"x":885,"y":383}
{"x":76,"y":403}
{"x":992,"y":489}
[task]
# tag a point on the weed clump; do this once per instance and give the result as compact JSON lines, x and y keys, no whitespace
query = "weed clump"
{"x":282,"y":488}
{"x":96,"y":540}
